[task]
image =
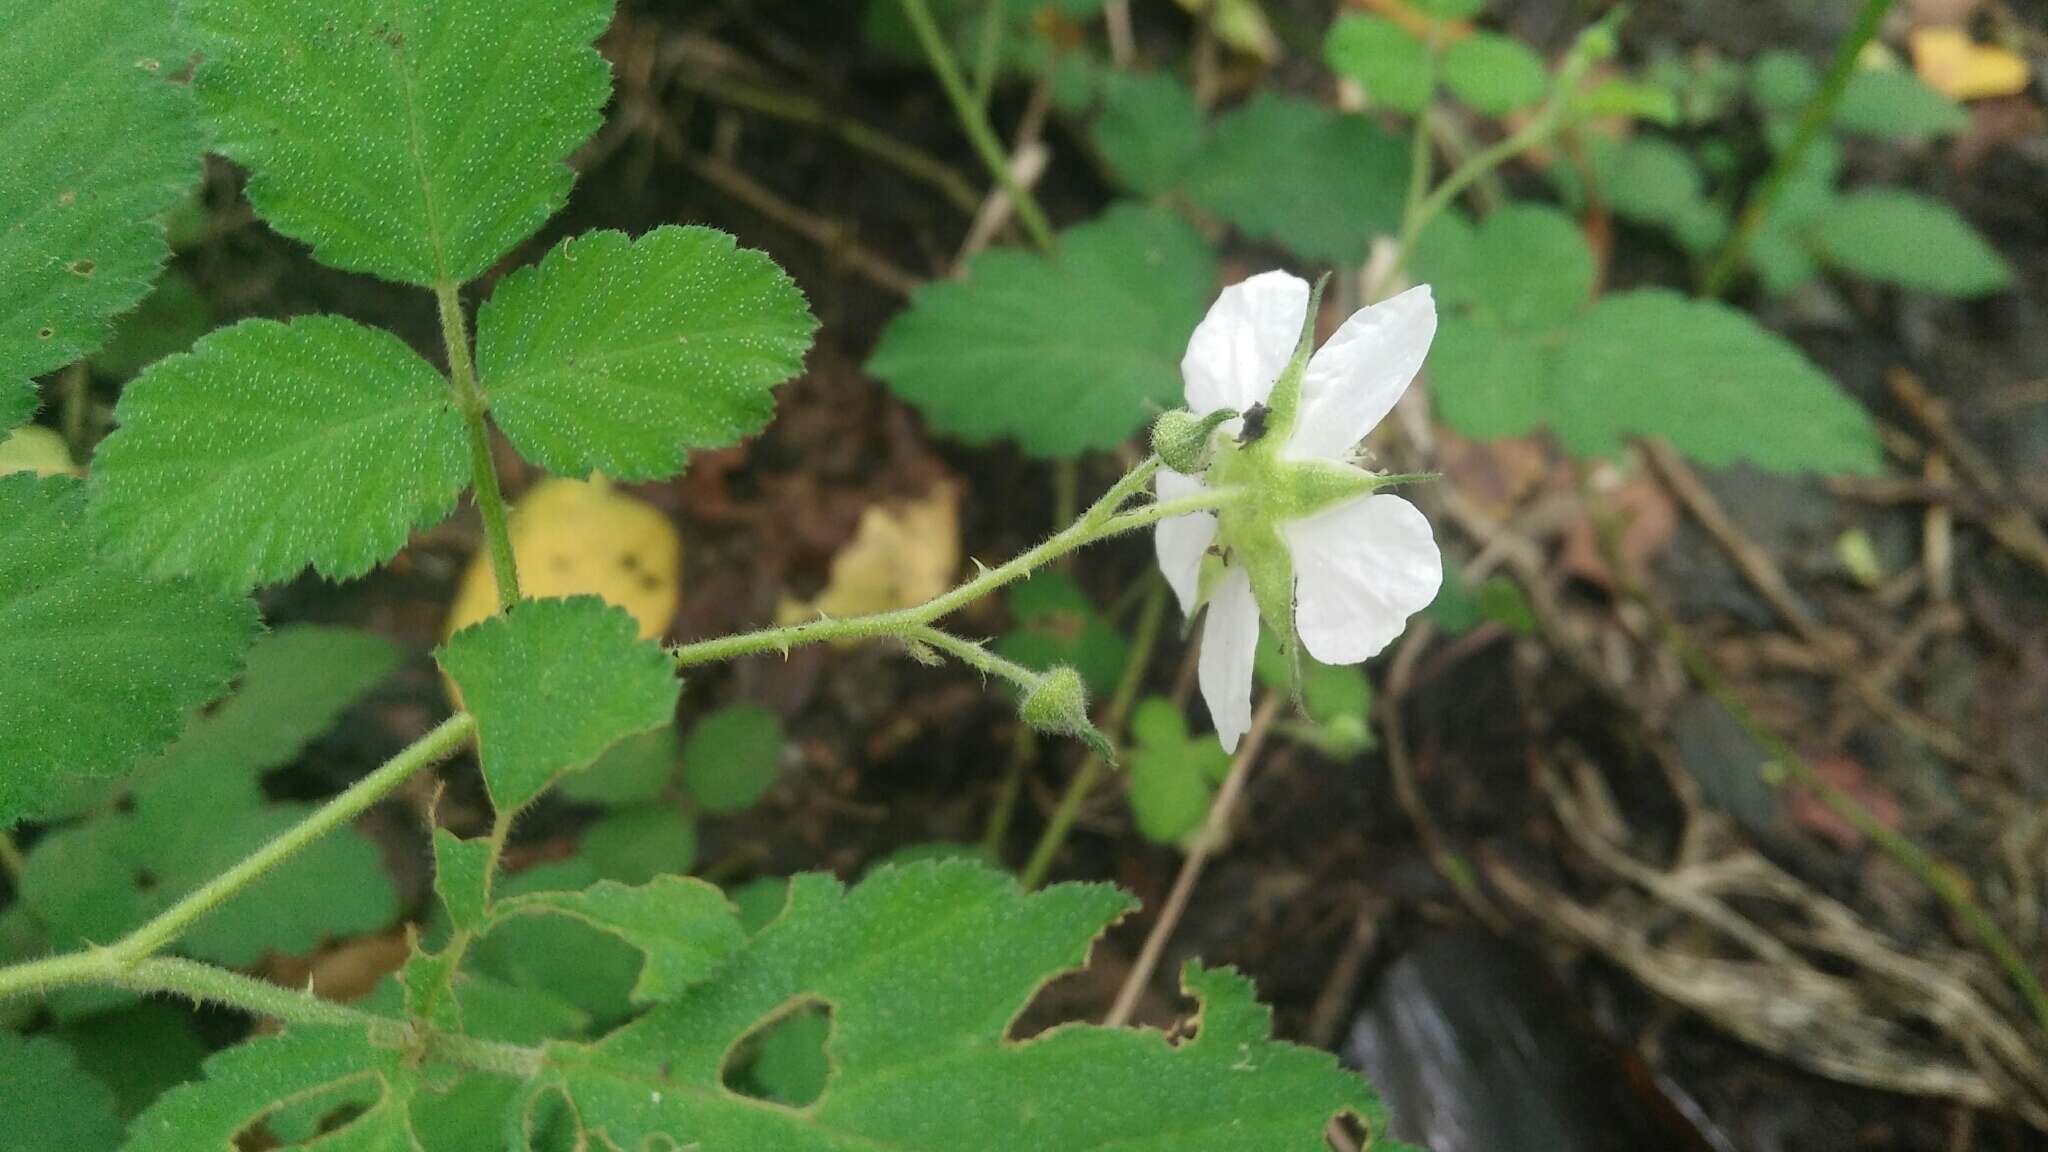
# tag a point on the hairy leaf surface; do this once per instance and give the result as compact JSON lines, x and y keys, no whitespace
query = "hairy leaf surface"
{"x":614,"y":355}
{"x":99,"y":144}
{"x":270,"y":447}
{"x":98,"y":665}
{"x":417,"y":140}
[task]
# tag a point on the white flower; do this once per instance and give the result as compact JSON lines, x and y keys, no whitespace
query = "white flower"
{"x":1309,"y":543}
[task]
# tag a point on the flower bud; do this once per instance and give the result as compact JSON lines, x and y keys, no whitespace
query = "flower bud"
{"x":1058,"y":705}
{"x":1181,"y":438}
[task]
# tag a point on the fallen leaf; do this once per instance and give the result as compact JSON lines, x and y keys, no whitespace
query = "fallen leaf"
{"x":583,"y":537}
{"x":34,"y":448}
{"x":904,"y":553}
{"x":1962,"y":69}
{"x":1648,"y":521}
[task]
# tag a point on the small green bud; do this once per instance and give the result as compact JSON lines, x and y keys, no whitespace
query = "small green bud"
{"x":1058,"y":705}
{"x":1182,"y":439}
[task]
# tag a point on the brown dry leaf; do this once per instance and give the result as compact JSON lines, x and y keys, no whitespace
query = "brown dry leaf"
{"x":33,"y":448}
{"x":904,"y":553}
{"x":1961,"y":68}
{"x":347,"y":971}
{"x":577,"y":538}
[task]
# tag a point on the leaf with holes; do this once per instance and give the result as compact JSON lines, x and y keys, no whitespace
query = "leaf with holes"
{"x":270,"y":447}
{"x":553,"y":684}
{"x":417,"y":140}
{"x":1065,"y":355}
{"x":614,"y":355}
{"x":683,"y":927}
{"x":98,"y":665}
{"x":100,"y":145}
{"x":923,"y":970}
{"x":367,"y":1091}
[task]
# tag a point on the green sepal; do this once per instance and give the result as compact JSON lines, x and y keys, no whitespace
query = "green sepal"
{"x":1285,"y":400}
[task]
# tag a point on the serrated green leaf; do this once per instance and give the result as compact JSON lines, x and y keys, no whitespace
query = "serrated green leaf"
{"x":270,"y":447}
{"x":1383,"y":58}
{"x":1717,"y":385}
{"x":1318,"y":182}
{"x":1056,"y":624}
{"x":552,"y":684}
{"x":1894,"y":104}
{"x":49,"y":1102}
{"x":98,"y":665}
{"x":613,"y":355}
{"x":732,"y":757}
{"x":1494,"y":74}
{"x":923,"y":970}
{"x":1064,"y":355}
{"x":594,"y":971}
{"x":297,"y":683}
{"x":639,"y":844}
{"x":683,"y":927}
{"x":99,"y":144}
{"x":1150,"y":130}
{"x":417,"y":140}
{"x":1903,"y":238}
{"x":370,"y":1089}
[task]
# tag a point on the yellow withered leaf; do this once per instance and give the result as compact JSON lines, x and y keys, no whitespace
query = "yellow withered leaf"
{"x":33,"y":448}
{"x":1961,"y":69}
{"x":903,"y":554}
{"x":584,"y":538}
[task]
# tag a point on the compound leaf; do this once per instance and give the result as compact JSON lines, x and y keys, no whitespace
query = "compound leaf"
{"x":1066,"y":354}
{"x":99,"y":145}
{"x":552,"y":684}
{"x":683,"y":927}
{"x":613,"y":355}
{"x":923,"y":968}
{"x":417,"y":140}
{"x":368,"y":1089}
{"x":270,"y":447}
{"x":98,"y":665}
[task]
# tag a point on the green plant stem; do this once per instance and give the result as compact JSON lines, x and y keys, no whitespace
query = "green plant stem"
{"x":1819,"y":111}
{"x":1937,"y":876}
{"x":1534,"y":134}
{"x":110,"y":963}
{"x":975,"y":656}
{"x":490,"y":502}
{"x":1061,"y":824}
{"x":974,"y":121}
{"x":988,"y":51}
{"x":1100,"y":522}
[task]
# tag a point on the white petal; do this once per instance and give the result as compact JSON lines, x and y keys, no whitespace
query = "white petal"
{"x":1361,"y":569}
{"x":1354,"y":380}
{"x":1183,"y":540}
{"x":1230,"y":640}
{"x":1240,"y":348}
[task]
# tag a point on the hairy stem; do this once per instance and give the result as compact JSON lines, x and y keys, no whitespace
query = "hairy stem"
{"x":1083,"y":784}
{"x":1100,"y":522}
{"x":490,"y":502}
{"x":109,"y":965}
{"x":974,"y":121}
{"x":1819,"y":111}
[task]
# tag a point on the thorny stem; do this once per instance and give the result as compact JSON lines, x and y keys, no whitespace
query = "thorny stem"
{"x":490,"y":502}
{"x":1102,"y":521}
{"x":974,"y":121}
{"x":119,"y":961}
{"x":1819,"y":111}
{"x":975,"y":656}
{"x":1078,"y":789}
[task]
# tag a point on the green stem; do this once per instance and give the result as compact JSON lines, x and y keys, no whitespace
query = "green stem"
{"x":1100,"y":522}
{"x":1531,"y":135}
{"x":989,"y":51}
{"x":107,"y":965}
{"x":974,"y":121}
{"x":1819,"y":111}
{"x":1083,"y":784}
{"x":975,"y":656}
{"x":490,"y":502}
